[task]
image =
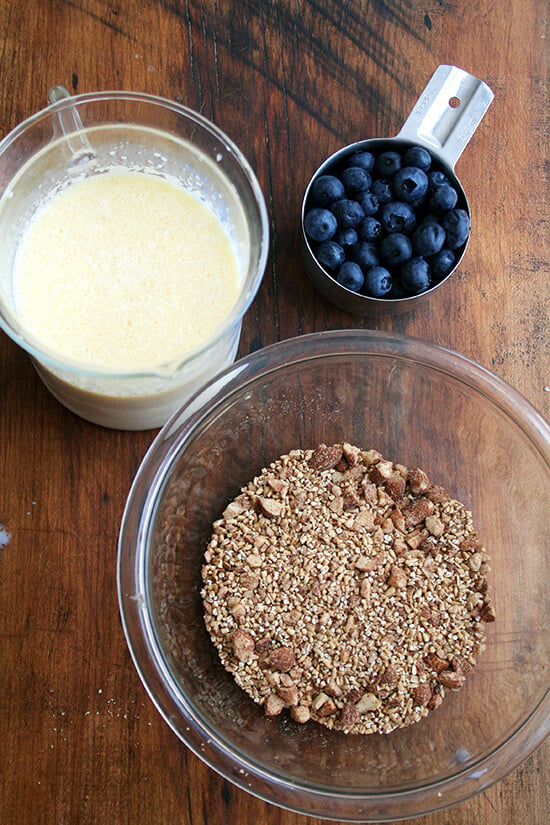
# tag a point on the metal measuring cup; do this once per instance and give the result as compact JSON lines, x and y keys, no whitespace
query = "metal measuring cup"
{"x":443,"y":120}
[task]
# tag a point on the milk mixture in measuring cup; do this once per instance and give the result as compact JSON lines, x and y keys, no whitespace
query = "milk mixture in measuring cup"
{"x":124,"y":270}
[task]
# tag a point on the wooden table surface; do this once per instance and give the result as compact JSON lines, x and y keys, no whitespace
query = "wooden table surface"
{"x":290,"y":81}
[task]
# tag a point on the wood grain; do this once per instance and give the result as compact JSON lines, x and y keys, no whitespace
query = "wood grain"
{"x":290,"y":81}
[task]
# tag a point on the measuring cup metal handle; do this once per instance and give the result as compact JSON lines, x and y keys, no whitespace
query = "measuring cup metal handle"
{"x":447,"y":113}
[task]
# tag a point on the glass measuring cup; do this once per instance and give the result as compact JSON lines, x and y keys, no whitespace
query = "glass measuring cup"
{"x":77,"y":137}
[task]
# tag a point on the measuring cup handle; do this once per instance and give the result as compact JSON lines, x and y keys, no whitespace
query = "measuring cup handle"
{"x":71,"y":126}
{"x":447,"y":113}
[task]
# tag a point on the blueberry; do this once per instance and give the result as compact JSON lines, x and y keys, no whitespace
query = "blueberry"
{"x":397,"y":216}
{"x":415,"y":276}
{"x":436,"y":179}
{"x":410,"y":184}
{"x":428,"y":238}
{"x":418,"y":156}
{"x":355,"y":179}
{"x":347,"y":213}
{"x":369,"y":202}
{"x":382,"y":190}
{"x":456,"y":224}
{"x":351,"y":276}
{"x":442,"y":263}
{"x":363,"y":159}
{"x":320,"y":224}
{"x":377,"y":282}
{"x":365,"y":254}
{"x":444,"y":198}
{"x":346,"y":237}
{"x":330,"y":254}
{"x":387,"y":164}
{"x":327,"y":189}
{"x":370,"y":229}
{"x":395,"y":248}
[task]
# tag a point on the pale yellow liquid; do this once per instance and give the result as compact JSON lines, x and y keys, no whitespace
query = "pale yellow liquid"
{"x":124,"y":270}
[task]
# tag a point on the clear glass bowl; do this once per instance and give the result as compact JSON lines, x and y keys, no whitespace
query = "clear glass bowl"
{"x":418,"y":404}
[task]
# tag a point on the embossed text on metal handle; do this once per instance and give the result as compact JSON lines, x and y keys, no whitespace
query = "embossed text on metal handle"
{"x":447,"y":113}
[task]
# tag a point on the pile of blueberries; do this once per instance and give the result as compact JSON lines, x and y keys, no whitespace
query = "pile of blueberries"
{"x":386,"y":224}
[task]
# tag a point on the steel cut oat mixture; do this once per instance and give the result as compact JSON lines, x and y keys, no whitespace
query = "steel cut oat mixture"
{"x":346,"y":588}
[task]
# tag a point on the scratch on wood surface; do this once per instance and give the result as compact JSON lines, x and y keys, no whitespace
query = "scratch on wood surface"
{"x":207,"y":90}
{"x":284,"y":91}
{"x":215,"y":50}
{"x":187,"y":18}
{"x":99,"y":19}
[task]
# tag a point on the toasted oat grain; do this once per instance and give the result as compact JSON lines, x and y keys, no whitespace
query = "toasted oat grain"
{"x":346,"y":588}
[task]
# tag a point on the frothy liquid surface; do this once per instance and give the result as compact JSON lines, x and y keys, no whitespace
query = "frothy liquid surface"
{"x":124,"y":270}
